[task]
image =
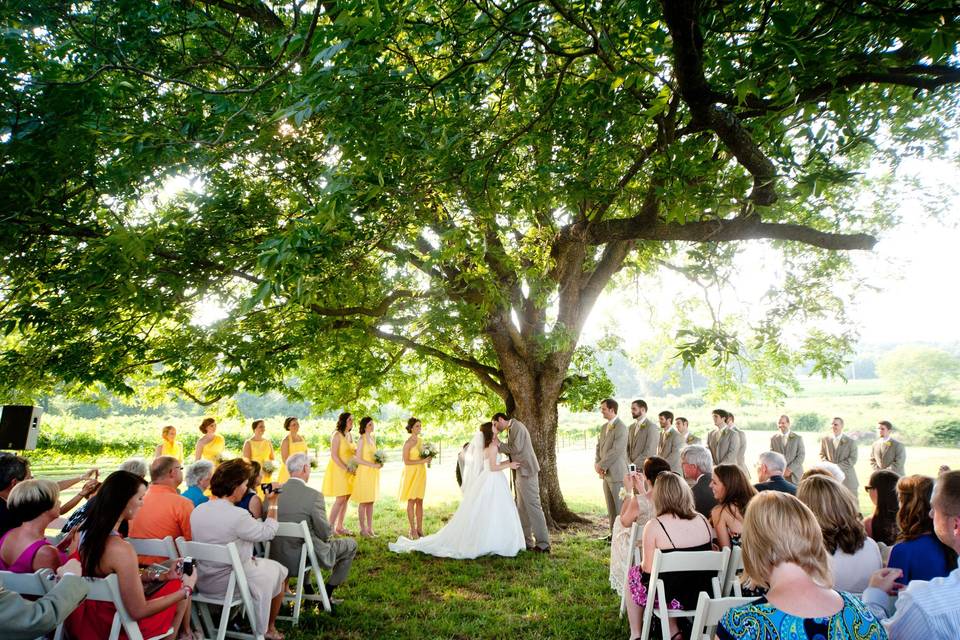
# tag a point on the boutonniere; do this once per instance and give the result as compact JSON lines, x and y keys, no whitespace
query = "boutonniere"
{"x":690,"y":439}
{"x":886,"y":444}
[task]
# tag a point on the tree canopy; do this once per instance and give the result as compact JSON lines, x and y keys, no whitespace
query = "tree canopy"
{"x":423,"y":200}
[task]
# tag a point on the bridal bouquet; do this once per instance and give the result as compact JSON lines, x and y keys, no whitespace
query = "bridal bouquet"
{"x":352,"y":467}
{"x":380,"y":456}
{"x":428,"y":450}
{"x":268,"y":466}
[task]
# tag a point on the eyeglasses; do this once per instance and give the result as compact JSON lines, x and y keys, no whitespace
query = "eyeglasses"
{"x":869,"y":488}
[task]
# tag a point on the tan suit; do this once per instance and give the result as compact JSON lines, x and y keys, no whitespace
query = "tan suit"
{"x":27,"y":619}
{"x":725,"y":445}
{"x":297,"y":503}
{"x":844,"y":455}
{"x":794,"y":453}
{"x":890,"y":455}
{"x":519,"y":447}
{"x":671,"y":442}
{"x":611,"y":457}
{"x":741,"y":449}
{"x":642,"y":441}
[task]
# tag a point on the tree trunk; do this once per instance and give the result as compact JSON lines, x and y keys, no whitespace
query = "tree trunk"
{"x":538,"y":411}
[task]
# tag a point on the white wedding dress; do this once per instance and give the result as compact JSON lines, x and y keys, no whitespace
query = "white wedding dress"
{"x":485,"y":523}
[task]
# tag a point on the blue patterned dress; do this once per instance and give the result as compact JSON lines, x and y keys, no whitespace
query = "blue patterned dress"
{"x":760,"y":620}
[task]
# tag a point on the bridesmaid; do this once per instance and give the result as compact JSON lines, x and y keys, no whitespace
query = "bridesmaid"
{"x":338,"y":480}
{"x":169,"y":446}
{"x":366,"y":488}
{"x":293,"y":443}
{"x":258,"y":449}
{"x":413,"y":482}
{"x":210,"y":445}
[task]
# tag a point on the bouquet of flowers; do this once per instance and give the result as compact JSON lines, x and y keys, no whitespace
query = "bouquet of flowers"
{"x":314,"y":464}
{"x":269,"y":467}
{"x":380,"y":456}
{"x":352,"y":467}
{"x":428,"y":450}
{"x":222,"y":457}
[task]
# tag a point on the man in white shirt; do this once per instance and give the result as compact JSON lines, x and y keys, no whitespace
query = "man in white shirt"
{"x":926,"y":609}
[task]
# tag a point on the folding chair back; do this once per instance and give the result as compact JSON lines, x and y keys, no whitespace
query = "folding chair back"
{"x":308,"y":564}
{"x":28,"y":584}
{"x":154,"y":547}
{"x":236,"y":594}
{"x":629,"y":562}
{"x":709,"y":612}
{"x":108,"y":590}
{"x":678,"y":561}
{"x":731,"y":584}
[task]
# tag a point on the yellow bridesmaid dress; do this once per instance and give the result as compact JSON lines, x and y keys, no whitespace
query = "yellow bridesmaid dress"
{"x":336,"y":481}
{"x":212,"y":450}
{"x":174,"y":450}
{"x":413,"y":482}
{"x":261,"y":452}
{"x":295,"y":447}
{"x":366,"y":488}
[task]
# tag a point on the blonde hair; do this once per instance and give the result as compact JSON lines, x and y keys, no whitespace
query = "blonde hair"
{"x":672,"y":495}
{"x":166,"y":430}
{"x":31,"y":498}
{"x":779,"y":528}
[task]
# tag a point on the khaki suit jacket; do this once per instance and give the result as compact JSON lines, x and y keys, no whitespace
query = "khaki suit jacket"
{"x":642,"y":441}
{"x":726,"y":446}
{"x":890,"y":455}
{"x":26,"y":619}
{"x":519,"y":447}
{"x":671,"y":442}
{"x":793,"y":451}
{"x":844,"y":455}
{"x":611,"y":452}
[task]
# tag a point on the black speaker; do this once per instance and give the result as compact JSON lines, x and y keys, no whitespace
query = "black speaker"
{"x":19,"y":426}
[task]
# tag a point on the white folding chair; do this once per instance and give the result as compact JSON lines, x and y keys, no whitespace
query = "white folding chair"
{"x":632,"y":552}
{"x":301,"y":531}
{"x":108,"y":590}
{"x":155,"y":547}
{"x":236,"y":594}
{"x":709,"y":612}
{"x":678,"y":561}
{"x":30,"y":584}
{"x":731,"y":584}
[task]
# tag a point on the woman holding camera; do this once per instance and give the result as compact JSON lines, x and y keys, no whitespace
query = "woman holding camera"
{"x":220,"y":522}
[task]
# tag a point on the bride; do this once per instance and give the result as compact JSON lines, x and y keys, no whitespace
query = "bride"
{"x":486,"y":522}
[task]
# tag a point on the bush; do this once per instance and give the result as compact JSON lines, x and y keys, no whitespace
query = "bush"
{"x":945,"y":433}
{"x":808,"y":422}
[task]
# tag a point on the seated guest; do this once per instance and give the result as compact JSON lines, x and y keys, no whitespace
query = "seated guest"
{"x":14,"y":469}
{"x":198,"y":480}
{"x":697,"y":465}
{"x":733,"y":492}
{"x":827,"y":468}
{"x":24,"y":549}
{"x":925,"y":610}
{"x":918,"y":553}
{"x":677,"y":527}
{"x":27,"y":619}
{"x":853,"y":556}
{"x":882,"y":489}
{"x":220,"y":522}
{"x":770,"y":468}
{"x":637,"y":508}
{"x":136,"y":466}
{"x":300,"y":502}
{"x":783,"y":552}
{"x":102,"y":552}
{"x":164,"y":512}
{"x":250,"y":500}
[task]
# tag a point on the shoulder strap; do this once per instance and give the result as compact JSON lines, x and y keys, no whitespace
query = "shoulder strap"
{"x":665,"y":532}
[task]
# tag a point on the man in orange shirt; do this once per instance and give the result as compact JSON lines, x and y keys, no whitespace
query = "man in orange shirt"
{"x":164,"y":512}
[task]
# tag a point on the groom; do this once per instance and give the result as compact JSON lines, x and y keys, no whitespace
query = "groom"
{"x":527,"y":477}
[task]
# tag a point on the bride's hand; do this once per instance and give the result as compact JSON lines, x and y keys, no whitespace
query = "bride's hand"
{"x":514,"y":465}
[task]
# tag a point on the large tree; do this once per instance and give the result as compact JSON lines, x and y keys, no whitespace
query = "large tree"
{"x":428,"y":197}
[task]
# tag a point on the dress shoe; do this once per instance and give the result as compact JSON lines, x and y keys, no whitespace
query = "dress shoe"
{"x":545,"y":550}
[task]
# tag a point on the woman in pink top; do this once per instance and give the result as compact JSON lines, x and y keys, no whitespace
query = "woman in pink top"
{"x":24,"y":549}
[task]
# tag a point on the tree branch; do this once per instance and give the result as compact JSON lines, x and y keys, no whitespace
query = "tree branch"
{"x":256,"y":11}
{"x":374,"y":312}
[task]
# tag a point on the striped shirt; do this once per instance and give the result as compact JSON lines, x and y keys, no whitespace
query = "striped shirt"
{"x":925,"y":609}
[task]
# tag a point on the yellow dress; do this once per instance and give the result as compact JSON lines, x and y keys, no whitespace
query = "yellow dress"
{"x":336,"y":481}
{"x":366,"y":488}
{"x":212,"y":450}
{"x":174,"y":450}
{"x":295,"y":447}
{"x":413,"y":482}
{"x":261,"y":452}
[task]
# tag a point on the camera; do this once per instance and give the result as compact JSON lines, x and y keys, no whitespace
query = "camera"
{"x":267,"y":487}
{"x":632,"y":468}
{"x":188,"y":566}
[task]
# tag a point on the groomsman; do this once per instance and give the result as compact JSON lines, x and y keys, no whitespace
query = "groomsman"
{"x":722,"y":444}
{"x":741,"y":444}
{"x":790,"y":445}
{"x":671,"y":442}
{"x":841,"y":450}
{"x":642,"y":438}
{"x":888,"y":453}
{"x":683,"y":426}
{"x":610,"y":459}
